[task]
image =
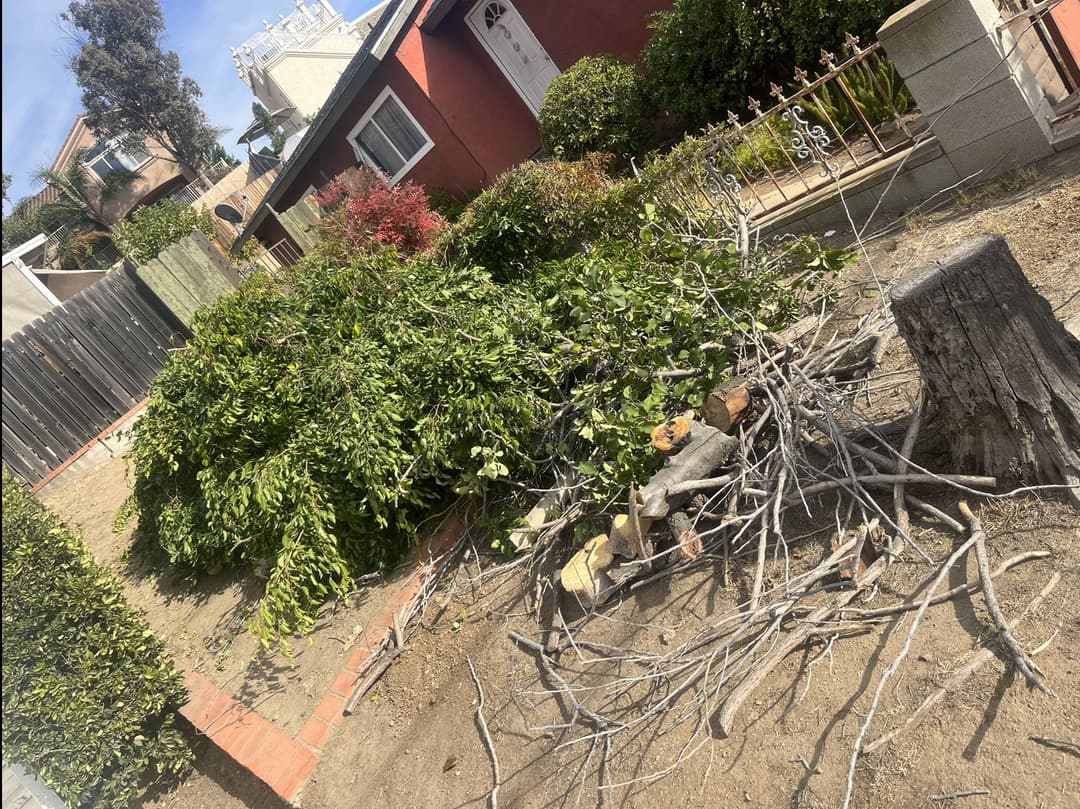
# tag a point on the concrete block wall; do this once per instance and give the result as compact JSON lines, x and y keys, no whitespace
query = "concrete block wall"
{"x":983,"y":103}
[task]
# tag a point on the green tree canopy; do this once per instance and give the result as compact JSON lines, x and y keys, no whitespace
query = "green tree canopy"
{"x":131,"y":87}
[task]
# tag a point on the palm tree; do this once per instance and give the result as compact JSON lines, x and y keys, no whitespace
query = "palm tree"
{"x":76,"y":212}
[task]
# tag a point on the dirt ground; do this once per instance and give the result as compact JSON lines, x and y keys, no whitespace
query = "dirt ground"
{"x":416,"y":742}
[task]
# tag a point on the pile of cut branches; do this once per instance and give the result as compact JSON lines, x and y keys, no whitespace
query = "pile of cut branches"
{"x":786,"y":440}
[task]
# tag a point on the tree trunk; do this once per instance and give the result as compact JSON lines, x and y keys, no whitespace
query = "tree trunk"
{"x":1002,"y":371}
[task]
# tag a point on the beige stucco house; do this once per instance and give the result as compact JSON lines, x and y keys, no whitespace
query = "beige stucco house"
{"x":158,"y":173}
{"x":292,"y":65}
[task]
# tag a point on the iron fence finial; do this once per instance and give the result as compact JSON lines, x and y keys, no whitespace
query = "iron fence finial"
{"x":828,"y":59}
{"x":776,"y":91}
{"x":851,"y":42}
{"x":800,"y":76}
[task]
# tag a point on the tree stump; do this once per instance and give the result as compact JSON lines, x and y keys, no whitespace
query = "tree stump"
{"x":1002,"y":371}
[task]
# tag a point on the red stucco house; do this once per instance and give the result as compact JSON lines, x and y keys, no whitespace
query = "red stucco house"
{"x":445,"y":92}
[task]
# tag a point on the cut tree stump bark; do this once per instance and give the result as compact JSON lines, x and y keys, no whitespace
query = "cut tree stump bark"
{"x":1002,"y":371}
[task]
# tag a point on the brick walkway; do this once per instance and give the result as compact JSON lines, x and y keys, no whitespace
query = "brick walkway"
{"x":282,"y":761}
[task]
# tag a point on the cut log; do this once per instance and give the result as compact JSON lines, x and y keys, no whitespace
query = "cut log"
{"x":707,"y":449}
{"x":1003,"y":373}
{"x":725,"y":407}
{"x":583,"y":576}
{"x":622,"y":539}
{"x":669,"y":437}
{"x":687,"y":539}
{"x":794,"y":334}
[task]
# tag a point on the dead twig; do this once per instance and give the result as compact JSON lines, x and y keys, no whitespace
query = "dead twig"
{"x":983,"y":656}
{"x":965,"y":793}
{"x":493,"y":796}
{"x":943,"y":571}
{"x":1065,"y":746}
{"x":1020,"y":658}
{"x":903,"y":521}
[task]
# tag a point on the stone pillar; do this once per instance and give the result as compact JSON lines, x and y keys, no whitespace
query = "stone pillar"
{"x":981,"y":100}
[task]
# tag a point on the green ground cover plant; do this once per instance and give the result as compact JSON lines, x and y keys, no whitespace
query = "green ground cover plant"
{"x":89,"y":693}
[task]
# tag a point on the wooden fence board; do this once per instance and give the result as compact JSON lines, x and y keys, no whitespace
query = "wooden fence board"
{"x":33,"y":383}
{"x":77,"y":369}
{"x":26,"y":390}
{"x":133,"y":347}
{"x":23,"y":461}
{"x":172,"y":293}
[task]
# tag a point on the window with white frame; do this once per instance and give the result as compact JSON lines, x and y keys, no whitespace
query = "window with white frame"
{"x":388,"y":138}
{"x":110,"y":156}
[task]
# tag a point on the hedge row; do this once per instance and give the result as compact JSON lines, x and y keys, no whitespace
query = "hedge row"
{"x":89,"y":695}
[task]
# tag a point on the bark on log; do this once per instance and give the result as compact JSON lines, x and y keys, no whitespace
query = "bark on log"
{"x":707,"y":449}
{"x":1002,"y":371}
{"x":725,"y":407}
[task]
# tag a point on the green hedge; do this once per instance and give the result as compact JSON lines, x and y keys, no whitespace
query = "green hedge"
{"x":89,"y":694}
{"x":597,"y":105}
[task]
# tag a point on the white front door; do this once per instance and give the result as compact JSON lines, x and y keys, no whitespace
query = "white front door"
{"x":515,"y":50}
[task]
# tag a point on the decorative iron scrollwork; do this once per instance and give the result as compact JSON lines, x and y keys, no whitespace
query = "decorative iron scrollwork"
{"x":809,"y":142}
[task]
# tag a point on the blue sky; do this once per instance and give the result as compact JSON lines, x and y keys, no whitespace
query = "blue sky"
{"x":41,"y":100}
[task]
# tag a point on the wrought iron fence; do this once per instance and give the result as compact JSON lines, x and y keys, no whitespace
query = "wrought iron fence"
{"x":819,"y":131}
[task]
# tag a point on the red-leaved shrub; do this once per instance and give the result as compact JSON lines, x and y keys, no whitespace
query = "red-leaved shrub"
{"x":364,"y":212}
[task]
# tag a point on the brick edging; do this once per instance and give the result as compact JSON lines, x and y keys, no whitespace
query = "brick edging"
{"x":283,"y":762}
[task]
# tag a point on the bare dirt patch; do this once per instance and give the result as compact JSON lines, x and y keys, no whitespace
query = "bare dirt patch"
{"x":205,"y":623}
{"x":416,"y":743}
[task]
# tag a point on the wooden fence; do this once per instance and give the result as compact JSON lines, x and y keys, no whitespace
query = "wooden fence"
{"x":77,"y":369}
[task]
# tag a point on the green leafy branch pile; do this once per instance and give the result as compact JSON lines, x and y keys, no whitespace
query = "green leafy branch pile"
{"x":316,"y":420}
{"x":88,"y":692}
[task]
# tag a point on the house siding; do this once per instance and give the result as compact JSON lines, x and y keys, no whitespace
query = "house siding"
{"x":479,"y":124}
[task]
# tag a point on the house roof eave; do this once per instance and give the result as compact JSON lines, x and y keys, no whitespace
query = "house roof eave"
{"x":360,"y":69}
{"x":436,"y":14}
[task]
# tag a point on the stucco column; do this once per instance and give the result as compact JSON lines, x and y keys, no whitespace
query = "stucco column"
{"x":981,"y":100}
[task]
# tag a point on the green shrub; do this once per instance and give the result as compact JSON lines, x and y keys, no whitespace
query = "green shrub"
{"x":834,"y":110}
{"x":535,"y":212}
{"x":315,"y":421}
{"x":88,"y":691}
{"x":149,"y":230}
{"x":597,"y":105}
{"x":707,"y":56}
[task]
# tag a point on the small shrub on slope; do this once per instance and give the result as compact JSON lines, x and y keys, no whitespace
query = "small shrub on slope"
{"x":533,"y":213}
{"x":365,"y":213}
{"x":89,"y":693}
{"x":597,"y":105}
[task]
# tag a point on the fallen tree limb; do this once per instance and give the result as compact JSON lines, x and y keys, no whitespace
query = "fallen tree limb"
{"x":983,"y":656}
{"x":969,"y":588}
{"x":795,"y":638}
{"x":376,"y":670}
{"x":944,"y":480}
